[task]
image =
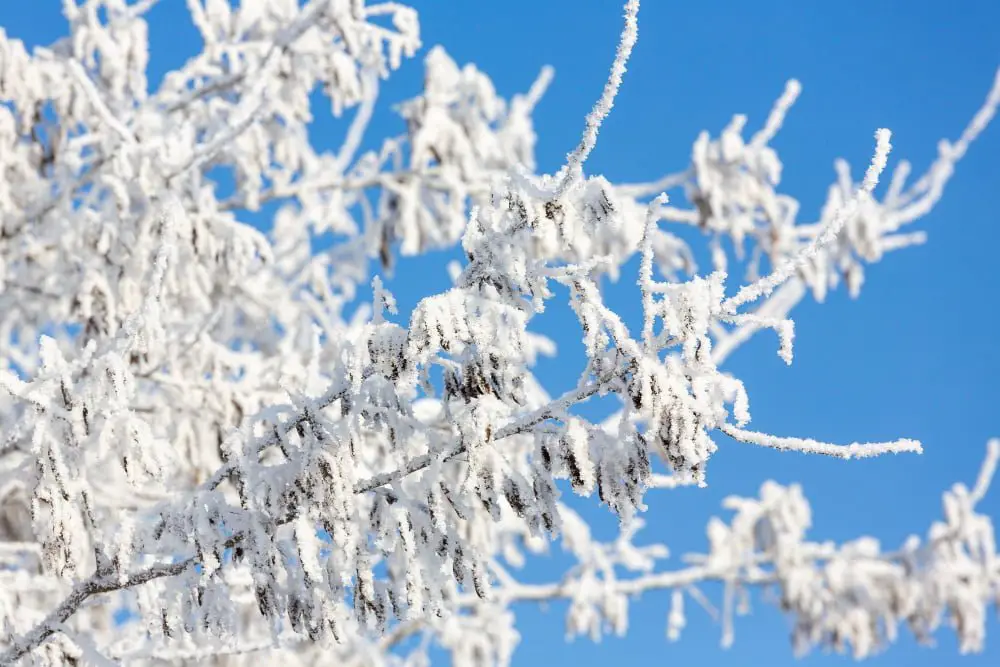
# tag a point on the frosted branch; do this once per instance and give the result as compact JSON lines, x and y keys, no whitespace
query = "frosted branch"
{"x":765,"y":286}
{"x":854,"y":450}
{"x":248,"y":456}
{"x":575,"y":160}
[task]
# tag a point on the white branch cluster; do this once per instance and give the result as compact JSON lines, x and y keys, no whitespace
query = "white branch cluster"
{"x":210,"y":449}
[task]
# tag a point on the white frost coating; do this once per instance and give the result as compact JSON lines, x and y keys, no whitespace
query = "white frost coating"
{"x":855,"y":450}
{"x":207,"y":433}
{"x":765,"y":286}
{"x":987,"y":472}
{"x":575,"y":160}
{"x":777,"y":116}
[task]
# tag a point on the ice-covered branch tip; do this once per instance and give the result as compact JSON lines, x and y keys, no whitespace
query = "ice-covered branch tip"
{"x":765,"y":286}
{"x":777,"y":116}
{"x":539,"y":87}
{"x":879,"y":160}
{"x":987,"y":471}
{"x":856,"y":450}
{"x":979,"y":121}
{"x":575,"y":160}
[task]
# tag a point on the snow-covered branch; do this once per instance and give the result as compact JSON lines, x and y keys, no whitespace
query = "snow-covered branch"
{"x":213,"y":448}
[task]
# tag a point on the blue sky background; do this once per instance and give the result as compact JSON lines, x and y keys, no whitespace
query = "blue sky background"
{"x":914,"y":356}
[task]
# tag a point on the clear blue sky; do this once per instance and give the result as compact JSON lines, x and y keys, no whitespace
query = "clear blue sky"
{"x":914,"y":356}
